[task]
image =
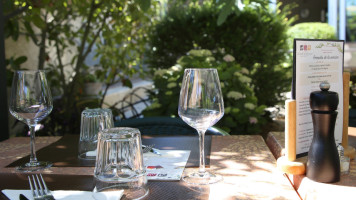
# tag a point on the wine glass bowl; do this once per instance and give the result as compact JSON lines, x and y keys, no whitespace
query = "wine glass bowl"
{"x":201,"y":105}
{"x":31,"y":102}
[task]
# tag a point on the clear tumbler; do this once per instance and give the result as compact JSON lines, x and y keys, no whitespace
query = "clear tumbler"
{"x":119,"y":163}
{"x":92,"y":121}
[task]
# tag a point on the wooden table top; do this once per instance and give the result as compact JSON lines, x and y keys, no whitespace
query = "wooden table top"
{"x":245,"y":162}
{"x":308,"y":189}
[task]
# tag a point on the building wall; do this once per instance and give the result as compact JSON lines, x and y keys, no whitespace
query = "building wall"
{"x":22,"y":47}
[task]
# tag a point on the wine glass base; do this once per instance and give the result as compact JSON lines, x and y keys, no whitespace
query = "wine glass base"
{"x":205,"y":178}
{"x":36,"y":166}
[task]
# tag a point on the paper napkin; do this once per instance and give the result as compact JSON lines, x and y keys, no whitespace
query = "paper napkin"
{"x":91,"y":153}
{"x":68,"y":194}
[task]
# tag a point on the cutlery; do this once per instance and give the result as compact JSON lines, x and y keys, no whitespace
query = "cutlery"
{"x":146,"y":148}
{"x":155,"y":151}
{"x":149,"y":148}
{"x":22,"y":197}
{"x":39,"y":188}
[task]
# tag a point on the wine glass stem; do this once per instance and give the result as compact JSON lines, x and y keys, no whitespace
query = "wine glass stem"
{"x":201,"y":151}
{"x":33,"y":158}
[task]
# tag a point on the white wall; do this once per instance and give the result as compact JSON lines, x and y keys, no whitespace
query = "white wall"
{"x":23,"y":47}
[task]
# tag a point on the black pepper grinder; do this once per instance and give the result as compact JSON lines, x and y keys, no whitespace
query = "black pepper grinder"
{"x":323,"y":160}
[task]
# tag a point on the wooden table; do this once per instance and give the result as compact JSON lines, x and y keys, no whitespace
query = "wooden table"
{"x":245,"y":162}
{"x":308,"y":189}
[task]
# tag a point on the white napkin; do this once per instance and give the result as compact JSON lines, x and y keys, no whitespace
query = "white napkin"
{"x":91,"y":153}
{"x":68,"y":194}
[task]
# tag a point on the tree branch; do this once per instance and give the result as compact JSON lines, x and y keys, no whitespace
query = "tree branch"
{"x":96,"y":35}
{"x":42,"y":45}
{"x":107,"y":88}
{"x":73,"y":85}
{"x":85,"y":37}
{"x":15,"y":12}
{"x":61,"y":66}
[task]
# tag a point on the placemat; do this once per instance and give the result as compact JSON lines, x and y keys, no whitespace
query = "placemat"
{"x":64,"y":152}
{"x":157,"y":189}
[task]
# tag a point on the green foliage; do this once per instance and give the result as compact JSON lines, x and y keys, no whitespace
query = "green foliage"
{"x":116,"y":28}
{"x":243,"y":114}
{"x":12,"y":64}
{"x":255,"y":36}
{"x":351,"y":27}
{"x":352,"y":91}
{"x":311,"y":30}
{"x":226,"y":7}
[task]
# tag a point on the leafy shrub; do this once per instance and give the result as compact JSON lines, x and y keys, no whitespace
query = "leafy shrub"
{"x":242,"y":113}
{"x":352,"y":101}
{"x":311,"y":30}
{"x":255,"y":37}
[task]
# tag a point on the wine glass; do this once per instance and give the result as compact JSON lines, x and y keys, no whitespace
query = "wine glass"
{"x":201,"y":105}
{"x":30,"y":102}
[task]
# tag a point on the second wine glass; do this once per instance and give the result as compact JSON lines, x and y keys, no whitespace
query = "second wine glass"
{"x":30,"y":102}
{"x":201,"y":105}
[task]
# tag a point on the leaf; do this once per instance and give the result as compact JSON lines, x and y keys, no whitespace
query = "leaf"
{"x":261,"y":109}
{"x":226,"y":10}
{"x":38,"y":21}
{"x":263,"y":3}
{"x":31,"y":32}
{"x":230,"y":122}
{"x":127,"y":83}
{"x":18,"y":61}
{"x":12,"y":30}
{"x":144,"y":4}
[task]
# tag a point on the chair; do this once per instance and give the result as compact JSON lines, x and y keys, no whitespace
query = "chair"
{"x":132,"y":104}
{"x":164,"y":126}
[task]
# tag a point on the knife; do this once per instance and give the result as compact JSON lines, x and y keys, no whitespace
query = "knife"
{"x":22,"y":197}
{"x":155,"y":151}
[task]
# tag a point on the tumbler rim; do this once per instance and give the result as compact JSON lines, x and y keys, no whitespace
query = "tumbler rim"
{"x":119,"y":133}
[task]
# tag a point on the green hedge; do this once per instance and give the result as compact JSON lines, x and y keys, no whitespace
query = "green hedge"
{"x":311,"y":30}
{"x":242,"y":114}
{"x":256,"y":38}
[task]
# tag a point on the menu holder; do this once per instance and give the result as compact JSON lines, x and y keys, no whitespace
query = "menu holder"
{"x":348,"y":150}
{"x":292,"y":162}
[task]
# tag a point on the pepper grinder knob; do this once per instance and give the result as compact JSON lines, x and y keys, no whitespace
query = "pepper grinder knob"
{"x":324,"y":86}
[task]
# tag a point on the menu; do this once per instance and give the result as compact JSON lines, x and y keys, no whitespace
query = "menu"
{"x":168,"y":166}
{"x":315,"y":61}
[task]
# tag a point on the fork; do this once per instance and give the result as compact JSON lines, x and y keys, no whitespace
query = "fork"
{"x":147,"y":148}
{"x":39,"y":188}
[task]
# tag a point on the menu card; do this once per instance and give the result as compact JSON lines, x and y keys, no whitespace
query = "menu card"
{"x":315,"y":61}
{"x":167,"y":166}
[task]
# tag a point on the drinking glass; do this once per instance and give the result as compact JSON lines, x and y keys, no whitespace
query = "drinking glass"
{"x":93,"y":121}
{"x":119,"y":163}
{"x":201,"y":105}
{"x":30,"y":102}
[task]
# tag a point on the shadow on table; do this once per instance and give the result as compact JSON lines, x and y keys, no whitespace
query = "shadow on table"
{"x":64,"y":152}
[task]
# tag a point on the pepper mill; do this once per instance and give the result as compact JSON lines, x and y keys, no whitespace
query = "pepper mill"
{"x":323,"y":159}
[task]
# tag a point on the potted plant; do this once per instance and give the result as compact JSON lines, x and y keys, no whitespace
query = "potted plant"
{"x":91,"y":85}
